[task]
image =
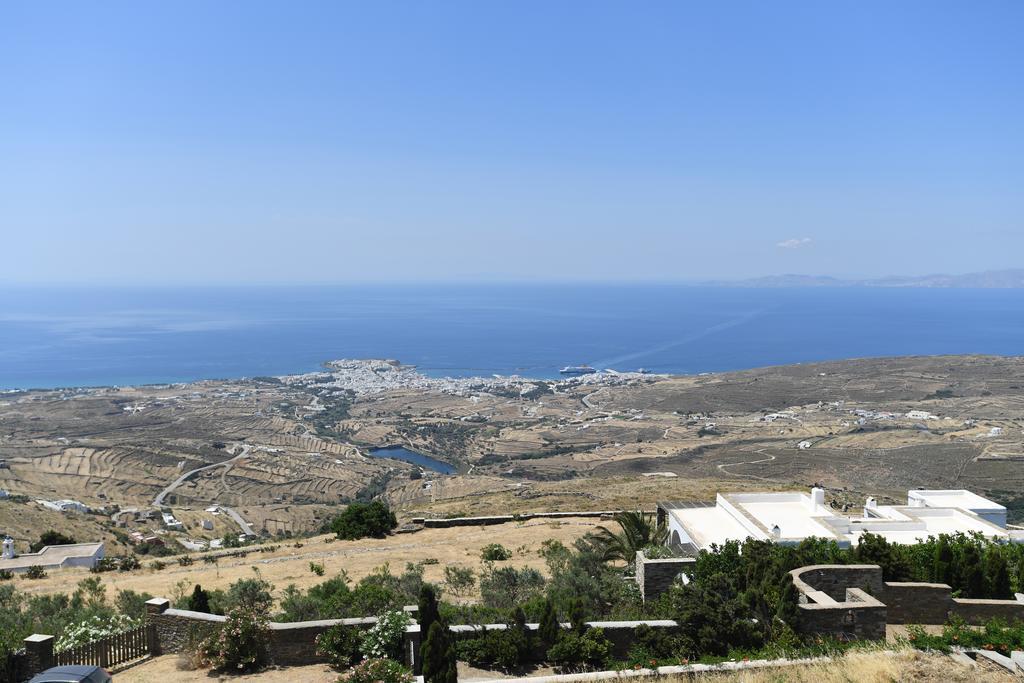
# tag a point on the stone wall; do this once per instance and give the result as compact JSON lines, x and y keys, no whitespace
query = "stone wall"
{"x":179,"y":630}
{"x":833,"y":603}
{"x":504,"y":519}
{"x":917,"y":603}
{"x":835,"y":579}
{"x":975,"y":611}
{"x":654,"y":577}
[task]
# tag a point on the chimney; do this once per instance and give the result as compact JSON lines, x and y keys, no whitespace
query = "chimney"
{"x":817,"y":497}
{"x":776,"y":532}
{"x":8,"y":545}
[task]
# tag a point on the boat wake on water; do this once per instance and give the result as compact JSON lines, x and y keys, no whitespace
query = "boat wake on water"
{"x":728,"y":324}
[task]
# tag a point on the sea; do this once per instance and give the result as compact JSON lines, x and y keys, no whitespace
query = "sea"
{"x":64,"y":337}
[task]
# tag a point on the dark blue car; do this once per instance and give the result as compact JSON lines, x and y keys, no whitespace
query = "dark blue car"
{"x":77,"y":673}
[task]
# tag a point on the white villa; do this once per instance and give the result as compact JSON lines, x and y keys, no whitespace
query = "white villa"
{"x":792,"y":517}
{"x":52,"y":556}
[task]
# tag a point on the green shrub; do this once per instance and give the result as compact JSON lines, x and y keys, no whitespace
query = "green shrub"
{"x":576,"y":652}
{"x":495,"y":552}
{"x":997,"y":636}
{"x":362,"y":520}
{"x":316,"y":568}
{"x":377,"y":671}
{"x":340,"y":645}
{"x":128,"y":563}
{"x":504,"y":649}
{"x":241,"y":644}
{"x":6,"y":575}
{"x":35,"y":572}
{"x":185,"y":561}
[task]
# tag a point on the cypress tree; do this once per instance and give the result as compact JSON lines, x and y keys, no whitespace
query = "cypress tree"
{"x":998,"y":579}
{"x":577,"y":616}
{"x":972,"y":578}
{"x":942,"y":563}
{"x":428,"y":611}
{"x":439,"y":663}
{"x":549,"y":629}
{"x":200,"y":600}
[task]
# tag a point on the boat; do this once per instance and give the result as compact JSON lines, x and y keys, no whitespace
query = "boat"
{"x":577,"y":370}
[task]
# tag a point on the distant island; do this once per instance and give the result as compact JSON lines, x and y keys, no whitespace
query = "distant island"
{"x":990,"y":279}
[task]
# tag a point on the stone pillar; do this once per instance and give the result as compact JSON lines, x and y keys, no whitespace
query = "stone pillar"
{"x":157,"y":605}
{"x":412,"y":648}
{"x":39,"y":650}
{"x":154,"y":611}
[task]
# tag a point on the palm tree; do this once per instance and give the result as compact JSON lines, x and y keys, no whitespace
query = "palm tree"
{"x":637,"y":530}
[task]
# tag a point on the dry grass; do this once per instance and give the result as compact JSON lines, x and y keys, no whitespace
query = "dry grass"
{"x":868,"y":667}
{"x":289,"y":564}
{"x":856,"y":667}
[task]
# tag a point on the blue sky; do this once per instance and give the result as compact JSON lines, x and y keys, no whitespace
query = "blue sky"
{"x":303,"y":142}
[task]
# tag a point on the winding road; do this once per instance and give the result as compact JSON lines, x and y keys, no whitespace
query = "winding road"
{"x":159,"y":500}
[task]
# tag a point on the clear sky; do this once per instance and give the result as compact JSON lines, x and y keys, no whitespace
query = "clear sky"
{"x":145,"y":142}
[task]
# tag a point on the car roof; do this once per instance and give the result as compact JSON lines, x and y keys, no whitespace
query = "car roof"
{"x":72,"y":673}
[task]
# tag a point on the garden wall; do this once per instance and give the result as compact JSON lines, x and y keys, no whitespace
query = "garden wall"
{"x":655,"y":576}
{"x":834,"y":600}
{"x":177,"y":630}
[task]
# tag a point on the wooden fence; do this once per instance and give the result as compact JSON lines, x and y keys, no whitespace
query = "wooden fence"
{"x":112,"y":650}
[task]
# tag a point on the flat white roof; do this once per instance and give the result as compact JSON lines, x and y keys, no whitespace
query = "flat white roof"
{"x":793,"y":517}
{"x":956,"y":498}
{"x":707,"y":525}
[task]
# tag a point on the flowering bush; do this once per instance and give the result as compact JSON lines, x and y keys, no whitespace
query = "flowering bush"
{"x":384,"y":639}
{"x":340,"y":645}
{"x":240,"y":644}
{"x":93,"y":629}
{"x":377,"y":671}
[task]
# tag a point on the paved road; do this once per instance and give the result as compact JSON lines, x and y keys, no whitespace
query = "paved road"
{"x":243,"y":525}
{"x":159,"y":500}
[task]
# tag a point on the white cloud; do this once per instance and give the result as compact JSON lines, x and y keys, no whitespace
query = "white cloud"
{"x":794,"y":243}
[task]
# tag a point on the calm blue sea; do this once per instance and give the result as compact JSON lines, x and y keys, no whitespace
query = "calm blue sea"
{"x":65,"y":337}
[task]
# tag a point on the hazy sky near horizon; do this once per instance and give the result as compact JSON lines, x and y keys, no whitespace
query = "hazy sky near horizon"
{"x":203,"y":142}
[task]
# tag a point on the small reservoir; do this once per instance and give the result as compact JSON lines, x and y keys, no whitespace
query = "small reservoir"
{"x":424,"y":461}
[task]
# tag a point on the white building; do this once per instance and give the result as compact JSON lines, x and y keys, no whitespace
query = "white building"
{"x":792,"y":517}
{"x":52,"y":556}
{"x":64,"y":505}
{"x":171,"y":522}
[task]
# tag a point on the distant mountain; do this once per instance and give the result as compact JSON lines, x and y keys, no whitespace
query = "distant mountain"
{"x":990,"y":279}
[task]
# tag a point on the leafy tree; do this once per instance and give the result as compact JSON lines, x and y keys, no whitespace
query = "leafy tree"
{"x":459,"y":580}
{"x":51,"y":537}
{"x":253,"y":594}
{"x":200,"y":600}
{"x":439,"y":658}
{"x":637,"y":530}
{"x":362,"y":520}
{"x":507,"y":587}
